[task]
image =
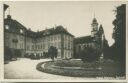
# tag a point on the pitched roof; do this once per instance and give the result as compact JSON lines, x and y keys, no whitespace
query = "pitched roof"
{"x":52,"y":31}
{"x":84,"y":39}
{"x":15,"y":26}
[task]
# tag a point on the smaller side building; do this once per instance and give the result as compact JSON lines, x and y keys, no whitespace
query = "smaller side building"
{"x":96,"y":40}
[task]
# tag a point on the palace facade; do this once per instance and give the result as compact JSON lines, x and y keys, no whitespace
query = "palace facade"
{"x":17,"y":36}
{"x":26,"y":41}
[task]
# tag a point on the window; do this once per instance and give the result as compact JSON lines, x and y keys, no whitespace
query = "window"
{"x":6,"y":27}
{"x":32,"y":47}
{"x":21,"y":31}
{"x":58,"y":37}
{"x":55,"y":38}
{"x":59,"y":44}
{"x":44,"y":46}
{"x":27,"y":47}
{"x":51,"y":38}
{"x":41,"y":46}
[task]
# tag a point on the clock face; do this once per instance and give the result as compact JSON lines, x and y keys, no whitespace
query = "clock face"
{"x":6,"y":26}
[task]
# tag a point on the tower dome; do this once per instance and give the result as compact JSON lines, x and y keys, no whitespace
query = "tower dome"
{"x":94,"y":20}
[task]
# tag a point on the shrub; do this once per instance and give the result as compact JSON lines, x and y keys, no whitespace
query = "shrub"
{"x":90,"y":54}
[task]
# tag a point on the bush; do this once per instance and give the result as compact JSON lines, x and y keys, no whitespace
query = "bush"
{"x":90,"y":55}
{"x":109,"y":69}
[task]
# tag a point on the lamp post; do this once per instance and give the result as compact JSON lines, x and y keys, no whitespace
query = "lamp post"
{"x":102,"y":54}
{"x":102,"y":48}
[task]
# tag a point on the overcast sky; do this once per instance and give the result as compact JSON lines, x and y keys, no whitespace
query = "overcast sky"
{"x":75,"y":16}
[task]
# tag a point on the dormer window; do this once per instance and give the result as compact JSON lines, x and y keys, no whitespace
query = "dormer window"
{"x":6,"y":27}
{"x":21,"y":31}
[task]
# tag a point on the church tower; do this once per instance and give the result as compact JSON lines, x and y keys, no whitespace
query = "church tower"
{"x":94,"y":26}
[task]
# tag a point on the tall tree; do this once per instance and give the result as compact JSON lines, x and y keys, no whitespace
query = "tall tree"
{"x":52,"y":52}
{"x":119,"y":35}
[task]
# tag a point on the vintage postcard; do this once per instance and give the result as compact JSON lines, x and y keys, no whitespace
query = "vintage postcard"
{"x":64,"y":40}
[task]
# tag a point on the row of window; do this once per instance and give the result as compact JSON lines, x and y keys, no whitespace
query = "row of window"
{"x":68,"y":38}
{"x":50,"y":38}
{"x":44,"y":54}
{"x":82,"y":46}
{"x":21,"y":46}
{"x":68,"y":45}
{"x":7,"y":27}
{"x":67,"y":54}
{"x":43,"y":46}
{"x":21,"y":38}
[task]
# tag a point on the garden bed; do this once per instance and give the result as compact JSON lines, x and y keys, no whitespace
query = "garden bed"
{"x":77,"y":68}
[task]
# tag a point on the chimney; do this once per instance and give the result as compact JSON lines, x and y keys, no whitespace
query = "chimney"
{"x":8,"y":16}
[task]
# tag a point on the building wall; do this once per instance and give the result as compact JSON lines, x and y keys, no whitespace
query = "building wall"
{"x":42,"y":44}
{"x":68,"y":46}
{"x":30,"y":45}
{"x":17,"y":37}
{"x":19,"y":44}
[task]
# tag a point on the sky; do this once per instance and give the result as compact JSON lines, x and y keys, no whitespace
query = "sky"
{"x":75,"y":16}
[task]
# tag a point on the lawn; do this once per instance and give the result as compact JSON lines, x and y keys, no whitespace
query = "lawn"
{"x":77,"y":68}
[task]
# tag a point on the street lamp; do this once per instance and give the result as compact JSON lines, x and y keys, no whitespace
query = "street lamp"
{"x":102,"y":48}
{"x":102,"y":54}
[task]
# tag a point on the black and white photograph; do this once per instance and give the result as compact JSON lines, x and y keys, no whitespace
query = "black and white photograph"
{"x":64,"y":82}
{"x":64,"y":40}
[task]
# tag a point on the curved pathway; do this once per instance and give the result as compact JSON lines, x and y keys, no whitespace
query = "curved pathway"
{"x":26,"y":69}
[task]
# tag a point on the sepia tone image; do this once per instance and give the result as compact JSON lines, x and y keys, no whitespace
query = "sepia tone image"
{"x":64,"y":82}
{"x":72,"y":40}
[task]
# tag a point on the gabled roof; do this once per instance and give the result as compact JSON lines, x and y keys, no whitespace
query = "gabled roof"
{"x":52,"y":31}
{"x":14,"y":26}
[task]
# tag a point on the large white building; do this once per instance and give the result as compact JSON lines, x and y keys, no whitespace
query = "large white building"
{"x":16,"y":36}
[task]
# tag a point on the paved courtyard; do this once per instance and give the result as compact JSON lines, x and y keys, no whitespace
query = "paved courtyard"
{"x":26,"y":69}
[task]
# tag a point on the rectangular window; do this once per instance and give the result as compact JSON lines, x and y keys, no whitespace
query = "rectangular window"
{"x":41,"y":46}
{"x":44,"y":46}
{"x":59,"y":45}
{"x":28,"y":47}
{"x":32,"y":47}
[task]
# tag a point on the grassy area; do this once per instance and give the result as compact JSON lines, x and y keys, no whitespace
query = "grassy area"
{"x":59,"y":67}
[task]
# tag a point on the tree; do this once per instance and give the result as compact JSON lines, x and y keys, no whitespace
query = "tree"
{"x":119,"y":31}
{"x":119,"y":35}
{"x":52,"y":52}
{"x":90,"y":54}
